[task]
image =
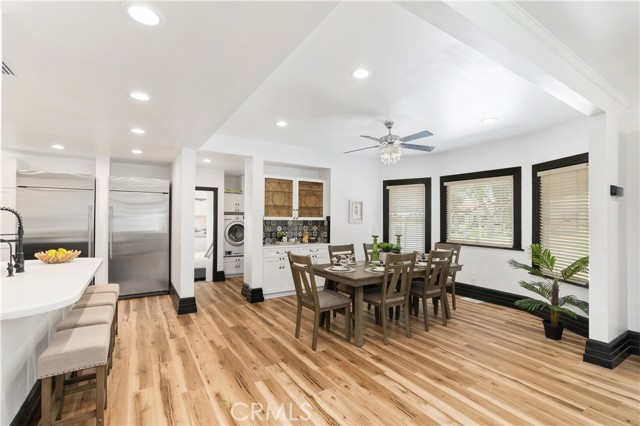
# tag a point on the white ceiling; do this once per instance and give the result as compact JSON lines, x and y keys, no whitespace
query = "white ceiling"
{"x":234,"y":68}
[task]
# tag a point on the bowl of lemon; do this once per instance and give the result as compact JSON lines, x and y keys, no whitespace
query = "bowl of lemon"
{"x":57,"y":256}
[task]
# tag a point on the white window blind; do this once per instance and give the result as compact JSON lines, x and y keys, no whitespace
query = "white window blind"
{"x":407,"y":210}
{"x":564,"y":215}
{"x":480,"y":211}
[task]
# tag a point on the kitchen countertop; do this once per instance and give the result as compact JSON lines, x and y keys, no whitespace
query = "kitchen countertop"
{"x":45,"y":287}
{"x":283,"y":245}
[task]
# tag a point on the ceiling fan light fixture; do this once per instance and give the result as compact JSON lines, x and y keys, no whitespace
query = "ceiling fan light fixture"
{"x":389,"y":153}
{"x":361,"y":73}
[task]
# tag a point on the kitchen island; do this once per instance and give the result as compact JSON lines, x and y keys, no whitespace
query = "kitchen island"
{"x":32,"y":304}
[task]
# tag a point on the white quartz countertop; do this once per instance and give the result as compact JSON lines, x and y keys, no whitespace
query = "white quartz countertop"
{"x":45,"y":287}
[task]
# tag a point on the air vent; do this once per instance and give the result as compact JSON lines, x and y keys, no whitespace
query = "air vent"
{"x":6,"y":70}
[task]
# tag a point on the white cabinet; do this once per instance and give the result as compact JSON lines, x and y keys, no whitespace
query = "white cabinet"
{"x":277,"y":276}
{"x":292,"y":198}
{"x":233,"y":265}
{"x":233,"y":202}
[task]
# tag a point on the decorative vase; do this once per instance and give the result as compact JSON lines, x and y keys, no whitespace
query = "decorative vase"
{"x":552,"y":332}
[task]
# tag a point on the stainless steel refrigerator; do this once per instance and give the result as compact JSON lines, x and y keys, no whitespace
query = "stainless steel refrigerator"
{"x":57,"y":211}
{"x":139,"y":235}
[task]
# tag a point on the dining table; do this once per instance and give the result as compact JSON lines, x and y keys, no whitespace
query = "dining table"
{"x":359,"y":276}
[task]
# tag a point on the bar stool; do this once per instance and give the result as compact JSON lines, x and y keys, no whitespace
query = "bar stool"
{"x":84,"y":317}
{"x":101,"y":299}
{"x":106,"y":288}
{"x":69,"y":351}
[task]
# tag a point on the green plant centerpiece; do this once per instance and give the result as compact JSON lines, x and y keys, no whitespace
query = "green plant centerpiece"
{"x":544,"y":267}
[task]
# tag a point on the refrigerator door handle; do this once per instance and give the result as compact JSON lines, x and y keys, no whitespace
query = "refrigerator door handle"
{"x":110,"y":232}
{"x":90,"y":229}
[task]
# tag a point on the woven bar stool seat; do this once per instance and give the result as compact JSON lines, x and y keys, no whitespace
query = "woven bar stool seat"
{"x":107,"y":288}
{"x":103,"y":288}
{"x":74,"y":350}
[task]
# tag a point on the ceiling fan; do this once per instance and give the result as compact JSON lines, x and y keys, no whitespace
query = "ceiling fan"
{"x":390,"y":144}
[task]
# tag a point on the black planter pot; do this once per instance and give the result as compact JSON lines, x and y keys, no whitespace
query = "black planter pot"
{"x":552,"y":332}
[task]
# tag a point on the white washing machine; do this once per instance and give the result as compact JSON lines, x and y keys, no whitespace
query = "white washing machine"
{"x":233,"y":235}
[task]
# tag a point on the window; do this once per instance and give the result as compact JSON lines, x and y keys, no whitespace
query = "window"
{"x":481,"y":209}
{"x":561,"y":210}
{"x":407,"y":207}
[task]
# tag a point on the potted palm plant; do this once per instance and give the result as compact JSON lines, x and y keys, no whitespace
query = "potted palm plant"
{"x":544,"y":267}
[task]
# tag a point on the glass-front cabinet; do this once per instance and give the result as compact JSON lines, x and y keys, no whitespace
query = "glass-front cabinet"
{"x":292,"y":198}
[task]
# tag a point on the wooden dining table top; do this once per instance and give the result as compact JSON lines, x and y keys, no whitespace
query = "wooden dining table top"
{"x":361,"y":276}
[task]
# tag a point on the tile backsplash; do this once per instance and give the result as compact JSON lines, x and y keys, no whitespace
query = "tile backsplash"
{"x":318,"y":229}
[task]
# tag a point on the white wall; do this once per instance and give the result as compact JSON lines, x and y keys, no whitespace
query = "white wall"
{"x":140,"y":170}
{"x":183,"y":182}
{"x":487,"y":267}
{"x":631,"y":184}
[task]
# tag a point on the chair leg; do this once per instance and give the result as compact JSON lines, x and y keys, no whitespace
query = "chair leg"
{"x":397,"y":312}
{"x":416,"y":305}
{"x":426,"y":314}
{"x":390,"y":313}
{"x":298,"y":319}
{"x":435,"y":306}
{"x":443,"y":300}
{"x":101,"y":374}
{"x":46,"y":402}
{"x":383,"y":317}
{"x":376,"y":312}
{"x":327,"y":320}
{"x":407,"y":324}
{"x":453,"y":295}
{"x":316,"y":326}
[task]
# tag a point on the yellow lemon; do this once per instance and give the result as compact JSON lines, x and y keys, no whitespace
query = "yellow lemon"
{"x":61,"y":250}
{"x":60,"y":255}
{"x":52,"y":252}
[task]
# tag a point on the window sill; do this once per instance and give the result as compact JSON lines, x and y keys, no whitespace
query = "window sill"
{"x":489,"y":247}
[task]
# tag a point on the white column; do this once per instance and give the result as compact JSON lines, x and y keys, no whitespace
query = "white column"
{"x":254,"y":212}
{"x":182,"y":219}
{"x":101,"y":233}
{"x":607,"y":291}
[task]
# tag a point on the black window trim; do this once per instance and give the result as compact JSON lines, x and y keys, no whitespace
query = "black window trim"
{"x":516,"y":173}
{"x":535,"y":195}
{"x":427,"y":206}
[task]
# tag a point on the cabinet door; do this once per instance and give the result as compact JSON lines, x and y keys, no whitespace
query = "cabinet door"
{"x":272,"y":275}
{"x":233,"y":202}
{"x":278,"y":197}
{"x":310,"y":199}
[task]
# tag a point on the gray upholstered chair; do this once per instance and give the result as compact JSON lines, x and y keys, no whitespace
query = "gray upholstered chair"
{"x":394,"y":290}
{"x":432,"y":285}
{"x":451,"y":280}
{"x":319,"y":302}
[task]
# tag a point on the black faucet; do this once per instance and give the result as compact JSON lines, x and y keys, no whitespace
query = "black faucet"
{"x":19,"y":256}
{"x":9,"y":264}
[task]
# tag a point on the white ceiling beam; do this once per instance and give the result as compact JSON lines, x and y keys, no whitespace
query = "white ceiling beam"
{"x":504,"y":32}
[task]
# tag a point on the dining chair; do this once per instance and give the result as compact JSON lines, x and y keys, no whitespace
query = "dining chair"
{"x":368,"y":250}
{"x":451,"y":279}
{"x":308,"y":296}
{"x":394,"y":291}
{"x":432,"y":285}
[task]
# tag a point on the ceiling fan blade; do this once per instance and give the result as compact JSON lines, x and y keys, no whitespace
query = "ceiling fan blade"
{"x":418,"y":147}
{"x":370,"y":137}
{"x":360,"y":149}
{"x":422,"y":134}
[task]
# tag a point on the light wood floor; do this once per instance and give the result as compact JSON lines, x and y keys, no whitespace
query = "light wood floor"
{"x":489,"y":366}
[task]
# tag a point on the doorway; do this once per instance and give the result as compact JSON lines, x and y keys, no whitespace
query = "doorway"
{"x":205,"y":234}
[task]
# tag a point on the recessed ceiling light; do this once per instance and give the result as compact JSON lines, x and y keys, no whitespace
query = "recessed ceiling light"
{"x":361,"y":73}
{"x":137,"y":131}
{"x":206,"y":160}
{"x":140,"y":96}
{"x":57,"y":146}
{"x":144,"y":14}
{"x":136,"y":151}
{"x":489,"y":120}
{"x":281,"y":123}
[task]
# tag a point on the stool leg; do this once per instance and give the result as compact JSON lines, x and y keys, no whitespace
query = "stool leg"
{"x":100,"y":394}
{"x":46,"y":401}
{"x":58,"y":395}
